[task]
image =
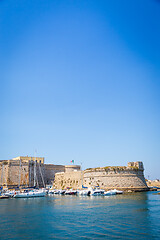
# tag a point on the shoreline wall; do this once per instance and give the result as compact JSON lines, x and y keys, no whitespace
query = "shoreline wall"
{"x":122,"y":178}
{"x":21,"y":171}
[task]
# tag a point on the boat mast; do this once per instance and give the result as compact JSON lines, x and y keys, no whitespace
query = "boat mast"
{"x":35,"y":172}
{"x":5,"y":177}
{"x":41,"y":174}
{"x":2,"y":175}
{"x":30,"y":164}
{"x":81,"y":176}
{"x":19,"y":172}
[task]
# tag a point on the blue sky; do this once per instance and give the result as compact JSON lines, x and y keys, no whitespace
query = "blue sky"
{"x":81,"y":80}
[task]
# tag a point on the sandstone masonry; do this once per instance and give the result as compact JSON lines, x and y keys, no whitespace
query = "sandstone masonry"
{"x":27,"y":171}
{"x":123,"y":178}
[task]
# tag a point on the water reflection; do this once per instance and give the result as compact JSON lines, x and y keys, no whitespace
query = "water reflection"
{"x":127,"y":216}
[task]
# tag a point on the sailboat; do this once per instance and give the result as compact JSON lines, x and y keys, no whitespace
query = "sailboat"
{"x":30,"y":193}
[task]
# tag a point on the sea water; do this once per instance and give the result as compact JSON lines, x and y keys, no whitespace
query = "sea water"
{"x":127,"y":216}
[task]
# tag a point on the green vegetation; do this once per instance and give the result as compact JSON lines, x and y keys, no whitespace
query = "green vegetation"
{"x":134,"y":168}
{"x":113,"y":168}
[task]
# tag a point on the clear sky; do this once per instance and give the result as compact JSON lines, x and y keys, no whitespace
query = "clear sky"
{"x":80,"y":79}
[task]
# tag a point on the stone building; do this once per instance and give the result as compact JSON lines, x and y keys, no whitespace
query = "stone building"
{"x":30,"y":171}
{"x":51,"y":170}
{"x":22,"y":171}
{"x":123,"y":178}
{"x":72,"y":179}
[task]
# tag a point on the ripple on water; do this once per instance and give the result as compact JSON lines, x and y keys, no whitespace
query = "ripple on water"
{"x":130,"y":216}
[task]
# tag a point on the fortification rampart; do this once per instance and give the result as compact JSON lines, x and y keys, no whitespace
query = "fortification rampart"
{"x":71,"y":168}
{"x":24,"y":173}
{"x":124,"y":178}
{"x":51,"y":170}
{"x":68,"y":180}
{"x":30,"y":171}
{"x":120,"y":179}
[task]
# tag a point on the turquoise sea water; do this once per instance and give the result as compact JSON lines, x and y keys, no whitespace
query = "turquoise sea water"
{"x":127,"y":216}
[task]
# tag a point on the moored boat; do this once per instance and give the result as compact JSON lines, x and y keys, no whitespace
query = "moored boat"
{"x":97,"y":192}
{"x":51,"y":191}
{"x":4,"y":197}
{"x":60,"y":192}
{"x":84,"y":192}
{"x":30,"y":194}
{"x":71,"y":192}
{"x":117,"y":191}
{"x":109,"y":193}
{"x":112,"y":192}
{"x":9,"y":193}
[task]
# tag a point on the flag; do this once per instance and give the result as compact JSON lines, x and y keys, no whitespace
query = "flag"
{"x":72,"y":161}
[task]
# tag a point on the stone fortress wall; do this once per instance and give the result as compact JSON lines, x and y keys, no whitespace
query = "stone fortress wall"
{"x":22,"y":171}
{"x":30,"y":171}
{"x":66,"y":180}
{"x":123,"y":178}
{"x":51,"y":170}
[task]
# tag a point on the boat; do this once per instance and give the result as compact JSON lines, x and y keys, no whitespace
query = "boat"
{"x":30,"y":194}
{"x":112,"y":192}
{"x":97,"y":192}
{"x":84,"y":192}
{"x":117,"y":191}
{"x":9,"y":193}
{"x":109,"y":193}
{"x":60,"y":192}
{"x":4,"y":197}
{"x":51,"y":191}
{"x":71,"y":192}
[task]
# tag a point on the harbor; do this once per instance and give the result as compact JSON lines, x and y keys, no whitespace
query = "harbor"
{"x":80,"y":110}
{"x":32,"y":193}
{"x":30,"y":177}
{"x":30,"y":172}
{"x":123,"y":216}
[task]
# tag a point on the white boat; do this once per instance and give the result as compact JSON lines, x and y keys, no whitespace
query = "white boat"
{"x":30,"y":194}
{"x":4,"y":197}
{"x":60,"y":192}
{"x":10,"y":193}
{"x":97,"y":192}
{"x":112,"y":192}
{"x":117,"y":191}
{"x":71,"y":192}
{"x":51,"y":191}
{"x":109,"y":193}
{"x":85,"y":192}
